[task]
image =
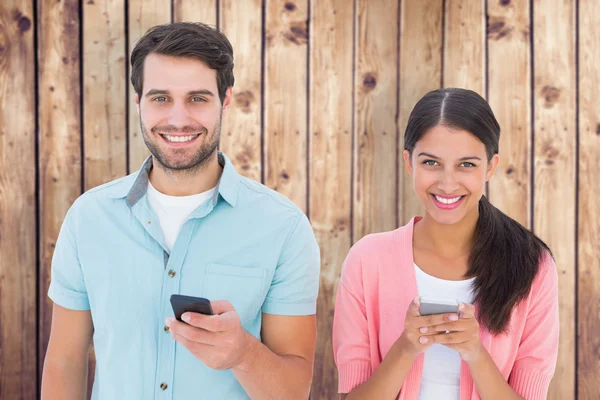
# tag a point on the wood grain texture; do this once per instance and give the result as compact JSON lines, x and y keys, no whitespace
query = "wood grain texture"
{"x":241,"y":133}
{"x":554,"y":179}
{"x":330,"y":89}
{"x":143,"y":15}
{"x":59,"y":137}
{"x":420,"y":72}
{"x":18,"y":247}
{"x":104,"y":107}
{"x":508,"y":35}
{"x":464,"y":45}
{"x":376,"y":106}
{"x":588,"y":370}
{"x":195,"y":11}
{"x":285,"y":125}
{"x":104,"y":81}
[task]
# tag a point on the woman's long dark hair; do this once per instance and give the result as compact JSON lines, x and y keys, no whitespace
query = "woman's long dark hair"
{"x":505,"y":256}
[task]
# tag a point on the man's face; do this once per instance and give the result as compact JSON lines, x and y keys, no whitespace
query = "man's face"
{"x":180,"y":111}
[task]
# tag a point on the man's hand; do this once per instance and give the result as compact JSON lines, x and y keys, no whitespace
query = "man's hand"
{"x":219,"y":340}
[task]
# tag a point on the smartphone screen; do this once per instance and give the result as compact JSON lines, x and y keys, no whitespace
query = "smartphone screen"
{"x":182,"y":304}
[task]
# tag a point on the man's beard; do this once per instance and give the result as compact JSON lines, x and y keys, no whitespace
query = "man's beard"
{"x":176,"y":160}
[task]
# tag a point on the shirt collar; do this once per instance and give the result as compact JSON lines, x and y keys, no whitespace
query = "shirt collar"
{"x":135,"y":186}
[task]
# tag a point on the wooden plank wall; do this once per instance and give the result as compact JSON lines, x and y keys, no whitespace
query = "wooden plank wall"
{"x":323,"y":93}
{"x":18,"y":239}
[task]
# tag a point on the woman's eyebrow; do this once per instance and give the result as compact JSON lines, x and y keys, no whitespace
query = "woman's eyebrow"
{"x":461,"y":159}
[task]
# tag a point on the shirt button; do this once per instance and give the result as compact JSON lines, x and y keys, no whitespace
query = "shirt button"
{"x":171,"y":273}
{"x":167,"y":329}
{"x":164,"y":386}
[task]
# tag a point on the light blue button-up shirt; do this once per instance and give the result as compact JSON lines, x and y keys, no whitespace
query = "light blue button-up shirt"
{"x":249,"y":245}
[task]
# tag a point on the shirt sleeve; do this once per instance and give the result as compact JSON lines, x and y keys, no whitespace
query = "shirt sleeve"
{"x":295,"y":285}
{"x":67,"y":285}
{"x":538,"y":351}
{"x":350,"y":327}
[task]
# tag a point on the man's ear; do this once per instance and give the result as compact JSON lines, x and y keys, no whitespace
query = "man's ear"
{"x":137,"y":103}
{"x":227,"y":100}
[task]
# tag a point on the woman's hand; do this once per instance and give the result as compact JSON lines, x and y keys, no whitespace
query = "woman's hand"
{"x":419,"y":330}
{"x":462,"y":336}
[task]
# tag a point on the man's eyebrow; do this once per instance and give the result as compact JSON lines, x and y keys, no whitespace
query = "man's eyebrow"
{"x":153,"y":92}
{"x":202,"y":91}
{"x":205,"y":92}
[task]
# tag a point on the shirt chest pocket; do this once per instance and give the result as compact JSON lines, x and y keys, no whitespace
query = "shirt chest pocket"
{"x":244,"y":287}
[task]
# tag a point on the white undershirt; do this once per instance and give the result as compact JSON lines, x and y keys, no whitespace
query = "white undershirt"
{"x":172,"y":211}
{"x":441,"y":370}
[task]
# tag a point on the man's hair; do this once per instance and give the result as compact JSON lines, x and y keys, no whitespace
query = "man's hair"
{"x":187,"y":40}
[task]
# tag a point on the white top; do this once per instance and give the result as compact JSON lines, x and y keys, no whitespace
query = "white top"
{"x":441,"y":370}
{"x":173,"y":211}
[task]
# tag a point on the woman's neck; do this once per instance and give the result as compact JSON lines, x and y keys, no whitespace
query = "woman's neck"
{"x":447,"y":241}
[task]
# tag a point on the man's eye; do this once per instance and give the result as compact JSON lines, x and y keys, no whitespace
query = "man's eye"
{"x":468,"y":164}
{"x":430,"y":162}
{"x":197,"y":99}
{"x":160,"y":99}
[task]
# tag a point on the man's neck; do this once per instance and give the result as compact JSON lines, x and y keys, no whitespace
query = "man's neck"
{"x":187,"y":182}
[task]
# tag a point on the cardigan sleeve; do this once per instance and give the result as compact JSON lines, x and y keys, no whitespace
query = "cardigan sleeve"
{"x":350,"y":327}
{"x":538,"y":350}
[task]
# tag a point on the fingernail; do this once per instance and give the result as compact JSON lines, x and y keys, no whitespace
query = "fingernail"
{"x":169,"y":321}
{"x":423,"y":340}
{"x":186,"y":317}
{"x":416,"y":300}
{"x":424,"y":330}
{"x":453,"y":317}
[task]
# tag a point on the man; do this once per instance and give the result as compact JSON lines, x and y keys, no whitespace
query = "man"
{"x":185,"y":223}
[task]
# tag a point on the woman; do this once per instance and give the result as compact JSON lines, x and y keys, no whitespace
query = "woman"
{"x":503,"y":341}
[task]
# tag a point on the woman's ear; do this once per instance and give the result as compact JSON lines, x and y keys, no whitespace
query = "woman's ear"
{"x":492,"y":165}
{"x":407,"y":162}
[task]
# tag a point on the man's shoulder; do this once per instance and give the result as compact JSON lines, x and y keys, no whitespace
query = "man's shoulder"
{"x":252,"y":192}
{"x":117,"y":188}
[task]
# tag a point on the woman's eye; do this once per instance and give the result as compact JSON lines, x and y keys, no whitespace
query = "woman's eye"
{"x":430,"y":162}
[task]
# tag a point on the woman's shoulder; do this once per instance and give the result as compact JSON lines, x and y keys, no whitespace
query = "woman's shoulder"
{"x":374,"y":243}
{"x":547,"y":275}
{"x":544,"y":288}
{"x":377,"y":252}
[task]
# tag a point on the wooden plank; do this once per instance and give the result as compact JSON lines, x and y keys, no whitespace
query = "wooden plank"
{"x":195,"y":11}
{"x":420,"y":72}
{"x":241,"y":21}
{"x":286,"y":98}
{"x":375,"y":168}
{"x":330,"y":89}
{"x":554,"y":164}
{"x":588,"y":370}
{"x":104,"y":83}
{"x":18,"y":247}
{"x":59,"y":137}
{"x":464,"y":45}
{"x":508,"y":34}
{"x":104,"y":107}
{"x":143,"y":15}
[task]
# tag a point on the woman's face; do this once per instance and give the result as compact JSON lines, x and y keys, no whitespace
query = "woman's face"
{"x":449,"y":168}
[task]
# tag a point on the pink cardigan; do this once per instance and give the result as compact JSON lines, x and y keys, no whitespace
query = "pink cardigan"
{"x":376,"y":288}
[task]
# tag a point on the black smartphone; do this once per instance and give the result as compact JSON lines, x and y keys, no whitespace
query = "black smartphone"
{"x":181,"y":304}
